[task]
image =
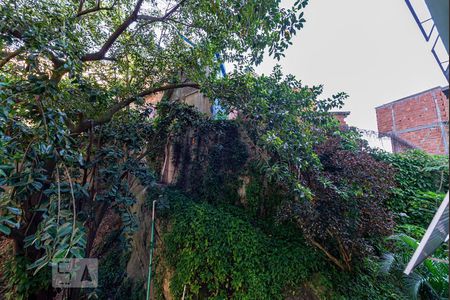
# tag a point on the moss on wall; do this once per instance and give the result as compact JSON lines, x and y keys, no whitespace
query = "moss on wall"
{"x":209,"y":161}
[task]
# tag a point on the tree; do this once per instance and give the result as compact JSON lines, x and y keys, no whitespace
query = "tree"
{"x":68,"y":70}
{"x":284,"y":120}
{"x":348,"y":212}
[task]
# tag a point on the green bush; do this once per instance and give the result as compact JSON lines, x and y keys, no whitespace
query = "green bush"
{"x":112,"y":267}
{"x":366,"y":283}
{"x":429,"y":280}
{"x":218,"y":255}
{"x":421,"y":181}
{"x":20,"y":283}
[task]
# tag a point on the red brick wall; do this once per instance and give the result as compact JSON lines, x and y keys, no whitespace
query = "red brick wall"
{"x":415,"y":120}
{"x":154,"y":98}
{"x":340,"y":116}
{"x":384,"y":119}
{"x":341,"y":120}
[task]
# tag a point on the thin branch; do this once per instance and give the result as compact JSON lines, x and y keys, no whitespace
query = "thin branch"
{"x":22,"y":163}
{"x":80,"y":6}
{"x":444,"y":261}
{"x":59,"y":195}
{"x":73,"y":204}
{"x":107,"y":116}
{"x":164,"y":17}
{"x":183,"y":23}
{"x":96,"y":8}
{"x":328,"y":254}
{"x":151,"y":19}
{"x":41,"y":109}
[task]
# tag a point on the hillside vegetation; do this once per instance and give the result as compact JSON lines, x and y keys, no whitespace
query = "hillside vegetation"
{"x":278,"y":203}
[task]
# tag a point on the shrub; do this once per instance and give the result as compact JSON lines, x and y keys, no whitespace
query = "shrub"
{"x":218,"y":255}
{"x":347,"y":213}
{"x":20,"y":283}
{"x":429,"y":280}
{"x":366,"y":283}
{"x":421,"y":179}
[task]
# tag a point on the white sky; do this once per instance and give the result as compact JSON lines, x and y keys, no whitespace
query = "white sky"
{"x":372,"y":50}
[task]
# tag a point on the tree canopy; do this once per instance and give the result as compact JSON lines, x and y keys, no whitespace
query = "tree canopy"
{"x":112,"y":53}
{"x":74,"y":143}
{"x":68,"y":70}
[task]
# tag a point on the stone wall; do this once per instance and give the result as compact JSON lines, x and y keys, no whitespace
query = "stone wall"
{"x":186,"y":95}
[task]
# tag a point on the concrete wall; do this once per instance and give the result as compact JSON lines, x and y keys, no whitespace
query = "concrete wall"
{"x":421,"y":120}
{"x":187,"y":95}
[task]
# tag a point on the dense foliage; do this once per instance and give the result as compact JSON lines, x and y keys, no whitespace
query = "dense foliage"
{"x":220,"y":252}
{"x":421,"y":182}
{"x":68,"y":69}
{"x":284,"y":119}
{"x":273,"y":196}
{"x":238,"y":256}
{"x":329,"y":190}
{"x":347,"y":214}
{"x":429,"y":280}
{"x":346,"y":220}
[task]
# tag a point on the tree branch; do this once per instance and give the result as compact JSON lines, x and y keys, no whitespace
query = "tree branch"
{"x":10,"y":56}
{"x":80,"y":6}
{"x":99,"y":55}
{"x":97,"y":7}
{"x":151,"y":19}
{"x":57,"y":62}
{"x":183,"y":23}
{"x":114,"y":36}
{"x":328,"y":254}
{"x":107,"y":116}
{"x":164,"y":17}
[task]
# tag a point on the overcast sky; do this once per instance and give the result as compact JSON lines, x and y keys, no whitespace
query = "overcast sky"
{"x":372,"y":50}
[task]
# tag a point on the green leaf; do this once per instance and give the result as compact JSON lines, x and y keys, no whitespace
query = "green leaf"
{"x":77,"y":252}
{"x":65,"y":229}
{"x":5,"y":229}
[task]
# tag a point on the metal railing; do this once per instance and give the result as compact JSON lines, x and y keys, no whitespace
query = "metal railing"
{"x":443,"y":64}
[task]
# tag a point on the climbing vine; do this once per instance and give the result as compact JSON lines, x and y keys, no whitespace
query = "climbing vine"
{"x":416,"y":198}
{"x":241,"y":260}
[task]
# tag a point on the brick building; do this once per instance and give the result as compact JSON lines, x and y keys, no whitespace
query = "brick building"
{"x":418,"y":121}
{"x":340,"y":116}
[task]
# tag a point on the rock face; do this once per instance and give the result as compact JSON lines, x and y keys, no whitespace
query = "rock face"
{"x":137,"y":267}
{"x":188,"y":159}
{"x":178,"y":155}
{"x":197,"y":158}
{"x":205,"y":157}
{"x":188,"y":95}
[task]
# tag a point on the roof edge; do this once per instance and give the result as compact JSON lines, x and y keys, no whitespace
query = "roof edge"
{"x":345,"y":113}
{"x":413,"y":95}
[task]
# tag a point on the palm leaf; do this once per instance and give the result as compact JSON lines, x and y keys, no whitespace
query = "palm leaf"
{"x":406,"y":239}
{"x":413,"y":283}
{"x":386,"y":263}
